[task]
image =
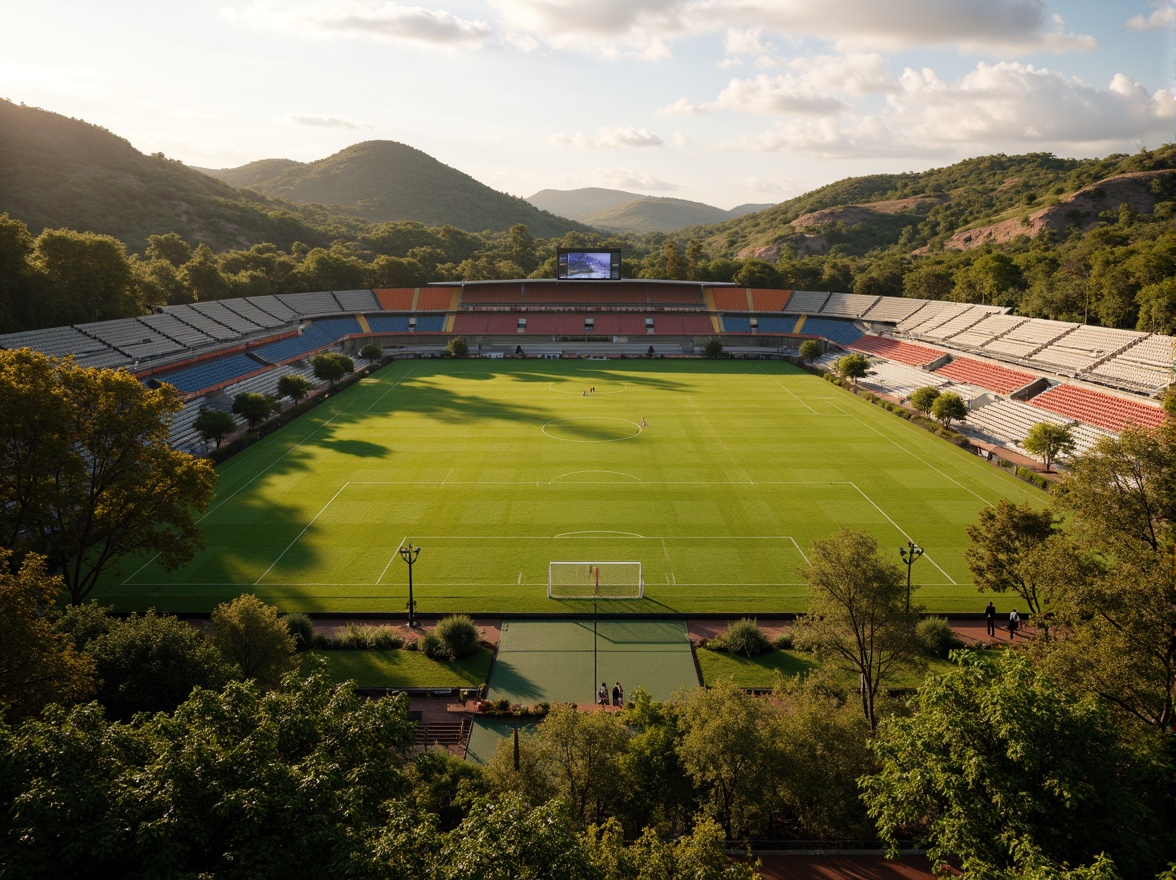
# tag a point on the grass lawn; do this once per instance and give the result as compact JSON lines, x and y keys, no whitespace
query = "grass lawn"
{"x":496,"y":468}
{"x":761,"y":671}
{"x":405,"y":669}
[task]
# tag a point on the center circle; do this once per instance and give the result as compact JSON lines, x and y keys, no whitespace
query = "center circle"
{"x":591,"y":429}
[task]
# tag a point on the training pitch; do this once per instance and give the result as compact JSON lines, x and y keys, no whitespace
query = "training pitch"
{"x":496,"y":468}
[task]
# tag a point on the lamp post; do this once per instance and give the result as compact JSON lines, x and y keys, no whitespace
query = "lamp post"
{"x":409,"y":554}
{"x":909,"y":554}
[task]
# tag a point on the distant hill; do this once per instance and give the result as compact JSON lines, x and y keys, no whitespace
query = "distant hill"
{"x":385,"y":180}
{"x":986,"y":200}
{"x":620,"y":211}
{"x":61,"y":172}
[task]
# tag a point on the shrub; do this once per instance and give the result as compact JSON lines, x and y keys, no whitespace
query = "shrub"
{"x":435,"y":649}
{"x":459,"y":635}
{"x":301,"y":630}
{"x":937,"y":638}
{"x":783,"y":642}
{"x":743,"y":637}
{"x":365,"y":637}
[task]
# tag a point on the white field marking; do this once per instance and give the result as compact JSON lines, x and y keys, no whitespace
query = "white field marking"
{"x":520,"y":583}
{"x":901,"y":530}
{"x":776,"y":379}
{"x":669,"y":565}
{"x":448,"y":584}
{"x":391,"y":559}
{"x":393,"y":387}
{"x":545,"y":426}
{"x":798,"y":550}
{"x":300,"y":534}
{"x":554,"y":480}
{"x":448,"y":475}
{"x":597,"y":533}
{"x":911,"y":453}
{"x":221,"y":502}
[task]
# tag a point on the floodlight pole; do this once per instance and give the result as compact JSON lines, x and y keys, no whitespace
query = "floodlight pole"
{"x":909,"y":554}
{"x":409,"y":554}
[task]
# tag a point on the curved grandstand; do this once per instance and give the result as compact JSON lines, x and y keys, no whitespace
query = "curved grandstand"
{"x":1044,"y":370}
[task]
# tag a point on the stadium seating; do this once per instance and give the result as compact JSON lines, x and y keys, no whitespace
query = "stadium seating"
{"x":843,"y":333}
{"x":397,"y":299}
{"x":1083,"y":347}
{"x":1009,"y":421}
{"x":320,"y":302}
{"x":806,"y":302}
{"x":388,"y":323}
{"x":209,"y":326}
{"x":986,"y":329}
{"x":225,"y":316}
{"x":892,"y":309}
{"x":763,"y":300}
{"x":271,"y":305}
{"x":730,"y":299}
{"x":252,"y":313}
{"x":1094,"y":407}
{"x":900,"y":380}
{"x":847,"y":305}
{"x":896,"y":350}
{"x":356,"y":300}
{"x":211,"y":374}
{"x":995,"y":378}
{"x":776,"y":323}
{"x":1146,"y":365}
{"x":437,"y":299}
{"x":737,"y":323}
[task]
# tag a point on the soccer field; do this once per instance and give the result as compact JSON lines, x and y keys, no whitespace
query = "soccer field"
{"x":496,"y":468}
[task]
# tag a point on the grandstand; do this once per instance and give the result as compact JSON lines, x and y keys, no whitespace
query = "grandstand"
{"x":210,"y":348}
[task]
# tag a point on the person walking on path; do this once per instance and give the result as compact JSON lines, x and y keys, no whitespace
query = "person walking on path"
{"x":1014,"y":624}
{"x":990,"y":619}
{"x":618,"y":696}
{"x":602,"y":694}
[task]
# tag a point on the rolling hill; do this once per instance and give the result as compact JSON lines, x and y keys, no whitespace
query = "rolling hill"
{"x":385,"y":180}
{"x":61,"y":172}
{"x":620,"y":211}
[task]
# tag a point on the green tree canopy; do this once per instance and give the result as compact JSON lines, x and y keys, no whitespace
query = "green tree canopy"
{"x":37,"y":665}
{"x":1003,"y":546}
{"x":254,"y":407}
{"x":1004,"y":770}
{"x":857,"y":613}
{"x":331,"y":366}
{"x":214,"y":424}
{"x":87,"y":472}
{"x":810,"y":350}
{"x":294,"y":386}
{"x":1050,"y":441}
{"x":852,"y":366}
{"x":949,"y":407}
{"x":924,"y":398}
{"x":250,"y":635}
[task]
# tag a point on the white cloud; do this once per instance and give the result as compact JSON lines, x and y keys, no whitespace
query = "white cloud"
{"x":604,"y":28}
{"x":811,"y":86}
{"x":608,"y":136}
{"x":329,"y":122}
{"x":1161,"y":17}
{"x":373,"y":19}
{"x":680,"y":140}
{"x":625,"y":179}
{"x":681,"y":107}
{"x":1005,"y":107}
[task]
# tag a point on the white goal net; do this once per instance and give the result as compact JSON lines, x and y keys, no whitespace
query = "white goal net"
{"x":595,"y":580}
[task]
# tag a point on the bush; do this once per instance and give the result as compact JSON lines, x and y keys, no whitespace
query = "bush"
{"x":459,"y":635}
{"x":434,"y":648}
{"x":743,"y":637}
{"x":301,"y":630}
{"x":783,"y":642}
{"x":937,"y":638}
{"x":364,"y":637}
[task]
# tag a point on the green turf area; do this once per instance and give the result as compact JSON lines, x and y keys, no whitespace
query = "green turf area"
{"x":404,"y":669}
{"x":564,"y":661}
{"x":761,"y":671}
{"x":496,"y":468}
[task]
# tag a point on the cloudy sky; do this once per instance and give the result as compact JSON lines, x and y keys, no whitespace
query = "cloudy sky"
{"x":719,"y":101}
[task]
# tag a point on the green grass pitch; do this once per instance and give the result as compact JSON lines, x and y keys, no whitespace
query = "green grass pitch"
{"x":497,"y":467}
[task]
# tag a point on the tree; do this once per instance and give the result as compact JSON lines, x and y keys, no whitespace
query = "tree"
{"x":214,"y":424}
{"x":331,"y":366}
{"x":457,"y":347}
{"x":89,"y":276}
{"x":294,"y":386}
{"x":857,"y":613}
{"x":1001,"y":555}
{"x":238,"y":783}
{"x":713,"y":348}
{"x":87,"y":473}
{"x":145,"y":663}
{"x":810,"y":350}
{"x":852,"y":367}
{"x":729,"y":748}
{"x":1005,"y":771}
{"x":37,"y":665}
{"x":924,"y":398}
{"x":250,"y":635}
{"x":371,"y":352}
{"x":949,"y":407}
{"x":253,"y":407}
{"x":1050,"y":441}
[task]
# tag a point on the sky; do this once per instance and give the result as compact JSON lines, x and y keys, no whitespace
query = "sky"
{"x":725,"y":102}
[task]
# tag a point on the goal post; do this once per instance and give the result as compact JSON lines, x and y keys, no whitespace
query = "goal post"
{"x":595,"y":580}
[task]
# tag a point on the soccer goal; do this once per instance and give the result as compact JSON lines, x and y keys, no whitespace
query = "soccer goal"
{"x":595,"y":580}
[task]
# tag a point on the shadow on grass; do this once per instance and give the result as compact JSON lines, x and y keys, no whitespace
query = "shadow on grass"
{"x":753,"y":672}
{"x":404,"y":669}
